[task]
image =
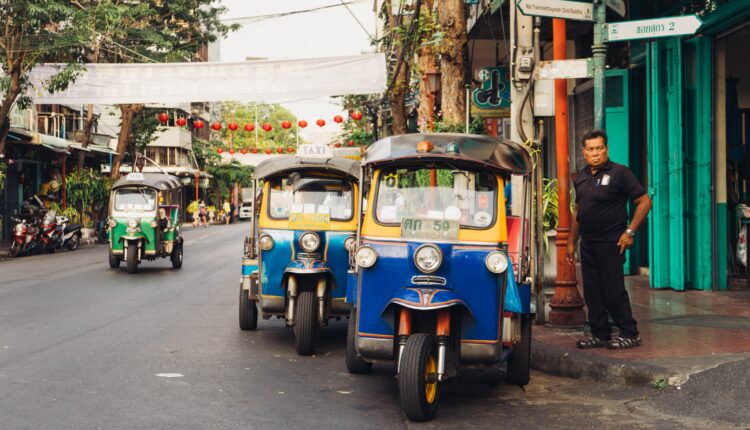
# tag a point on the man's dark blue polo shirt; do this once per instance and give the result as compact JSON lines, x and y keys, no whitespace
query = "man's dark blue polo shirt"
{"x":602,"y":201}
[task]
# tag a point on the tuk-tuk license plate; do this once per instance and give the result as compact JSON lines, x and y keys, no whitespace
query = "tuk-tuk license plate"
{"x":307,"y":221}
{"x":429,"y":229}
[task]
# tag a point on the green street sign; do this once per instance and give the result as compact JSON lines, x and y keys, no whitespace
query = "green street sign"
{"x":651,"y":28}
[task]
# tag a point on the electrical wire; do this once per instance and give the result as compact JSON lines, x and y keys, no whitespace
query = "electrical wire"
{"x":256,"y":18}
{"x":356,"y":19}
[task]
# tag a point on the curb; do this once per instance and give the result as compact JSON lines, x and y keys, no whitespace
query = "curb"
{"x":581,"y":365}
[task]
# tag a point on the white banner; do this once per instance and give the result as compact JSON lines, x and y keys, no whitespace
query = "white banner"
{"x":260,"y":81}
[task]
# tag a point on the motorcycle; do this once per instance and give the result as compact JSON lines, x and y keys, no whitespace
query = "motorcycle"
{"x":25,"y":237}
{"x":66,"y":236}
{"x":49,"y":236}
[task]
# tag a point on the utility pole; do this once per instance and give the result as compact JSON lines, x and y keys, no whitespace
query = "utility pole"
{"x":599,"y":51}
{"x":566,"y":306}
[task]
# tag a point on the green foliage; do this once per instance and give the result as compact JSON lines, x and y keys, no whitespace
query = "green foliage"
{"x":476,"y":126}
{"x":245,"y":113}
{"x":660,"y":383}
{"x":361,"y":131}
{"x":70,"y":212}
{"x":226,"y":175}
{"x":145,"y":125}
{"x":86,"y":191}
{"x":549,"y":204}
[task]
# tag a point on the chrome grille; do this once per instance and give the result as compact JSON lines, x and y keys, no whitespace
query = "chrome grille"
{"x":428,"y":280}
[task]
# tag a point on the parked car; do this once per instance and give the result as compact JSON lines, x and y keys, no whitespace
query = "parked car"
{"x":246,"y":210}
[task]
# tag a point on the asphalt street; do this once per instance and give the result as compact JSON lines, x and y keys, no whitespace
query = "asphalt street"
{"x":83,"y":346}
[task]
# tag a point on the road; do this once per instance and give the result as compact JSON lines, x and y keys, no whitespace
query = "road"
{"x":83,"y":346}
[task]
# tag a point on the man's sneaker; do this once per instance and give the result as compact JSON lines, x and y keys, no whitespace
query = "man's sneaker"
{"x":624,"y":343}
{"x":591,"y":342}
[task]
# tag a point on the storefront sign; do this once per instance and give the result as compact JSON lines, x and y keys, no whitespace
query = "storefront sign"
{"x":495,"y":90}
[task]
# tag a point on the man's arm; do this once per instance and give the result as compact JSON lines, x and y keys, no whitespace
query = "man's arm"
{"x":643,"y":206}
{"x":570,"y":252}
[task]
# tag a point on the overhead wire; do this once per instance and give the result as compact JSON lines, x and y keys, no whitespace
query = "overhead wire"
{"x":356,"y":19}
{"x":255,"y":18}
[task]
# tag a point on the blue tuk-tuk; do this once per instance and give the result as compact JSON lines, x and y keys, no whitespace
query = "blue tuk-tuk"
{"x":431,"y":285}
{"x":304,"y":224}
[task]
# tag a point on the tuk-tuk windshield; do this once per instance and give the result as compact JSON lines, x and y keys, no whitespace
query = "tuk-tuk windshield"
{"x":455,"y":195}
{"x":134,"y":199}
{"x":311,"y":195}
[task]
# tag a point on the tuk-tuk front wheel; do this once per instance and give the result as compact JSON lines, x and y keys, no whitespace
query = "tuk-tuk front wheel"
{"x":176,"y":256}
{"x":354,"y":363}
{"x":132,"y":258}
{"x":114,"y":261}
{"x":306,"y":323}
{"x":417,"y":378}
{"x":248,"y":312}
{"x":520,"y":359}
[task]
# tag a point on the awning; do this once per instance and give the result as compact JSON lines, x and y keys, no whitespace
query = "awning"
{"x":103,"y":149}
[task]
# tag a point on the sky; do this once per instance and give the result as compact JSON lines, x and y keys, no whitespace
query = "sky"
{"x":325,"y":33}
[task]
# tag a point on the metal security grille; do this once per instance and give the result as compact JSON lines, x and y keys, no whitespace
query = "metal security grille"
{"x":614,"y":92}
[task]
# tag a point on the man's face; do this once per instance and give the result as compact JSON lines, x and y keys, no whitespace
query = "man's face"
{"x":595,"y":152}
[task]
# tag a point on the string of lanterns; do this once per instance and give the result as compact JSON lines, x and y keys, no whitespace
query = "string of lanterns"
{"x":266,"y":126}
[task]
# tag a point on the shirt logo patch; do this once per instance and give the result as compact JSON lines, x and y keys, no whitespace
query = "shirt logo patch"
{"x":605,"y":180}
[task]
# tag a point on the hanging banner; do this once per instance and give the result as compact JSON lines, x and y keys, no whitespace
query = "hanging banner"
{"x":262,"y":81}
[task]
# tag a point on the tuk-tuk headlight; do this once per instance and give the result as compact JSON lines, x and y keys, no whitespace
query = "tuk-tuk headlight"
{"x":265,"y":242}
{"x":428,"y":258}
{"x":112,"y":223}
{"x":365,"y":256}
{"x":350,"y":243}
{"x":132,"y":223}
{"x":496,"y":262}
{"x":309,"y":241}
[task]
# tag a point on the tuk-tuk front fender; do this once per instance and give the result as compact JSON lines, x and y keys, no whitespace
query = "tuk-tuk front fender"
{"x":131,"y":237}
{"x":426,"y":299}
{"x":308,"y":266}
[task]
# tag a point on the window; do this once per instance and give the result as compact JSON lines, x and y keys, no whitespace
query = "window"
{"x":311,"y":195}
{"x":135,"y":200}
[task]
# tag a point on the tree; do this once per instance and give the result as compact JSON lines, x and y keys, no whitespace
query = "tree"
{"x":149,"y":31}
{"x":246,"y":113}
{"x":453,"y":60}
{"x":34,"y":32}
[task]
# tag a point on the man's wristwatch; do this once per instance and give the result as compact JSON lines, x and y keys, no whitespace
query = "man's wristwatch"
{"x":631,"y":232}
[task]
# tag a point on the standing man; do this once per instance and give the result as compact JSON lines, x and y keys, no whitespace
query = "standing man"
{"x":603,"y":189}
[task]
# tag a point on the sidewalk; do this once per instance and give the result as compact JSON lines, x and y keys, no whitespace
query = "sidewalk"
{"x":683,"y":333}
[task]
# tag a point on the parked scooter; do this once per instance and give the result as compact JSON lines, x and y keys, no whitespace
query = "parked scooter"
{"x":66,"y":235}
{"x":49,"y":236}
{"x":25,"y":237}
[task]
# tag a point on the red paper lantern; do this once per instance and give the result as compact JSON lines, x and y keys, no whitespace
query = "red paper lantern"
{"x":290,"y":149}
{"x":302,"y":124}
{"x":338,"y":145}
{"x":350,"y":143}
{"x":198,"y":124}
{"x":181,"y":122}
{"x":231,"y":151}
{"x":243,"y":150}
{"x":320,"y":122}
{"x":280,"y":150}
{"x":286,"y":124}
{"x":267,"y":127}
{"x":356,"y":115}
{"x":232,"y":126}
{"x":216,"y":126}
{"x":268,"y":150}
{"x":249,"y":127}
{"x":219,"y":150}
{"x":163,"y":118}
{"x":338,"y":118}
{"x":255,"y":150}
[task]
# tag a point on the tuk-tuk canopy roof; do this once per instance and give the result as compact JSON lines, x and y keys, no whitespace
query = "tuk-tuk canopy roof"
{"x":462,"y":150}
{"x":157,"y":181}
{"x":288,"y":164}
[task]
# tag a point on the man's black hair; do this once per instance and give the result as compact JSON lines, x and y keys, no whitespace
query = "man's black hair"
{"x":593,"y":134}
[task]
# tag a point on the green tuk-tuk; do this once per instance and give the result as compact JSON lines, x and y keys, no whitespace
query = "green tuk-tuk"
{"x":144,"y":220}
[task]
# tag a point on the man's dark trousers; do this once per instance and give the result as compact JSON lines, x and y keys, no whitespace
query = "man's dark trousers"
{"x":604,"y":289}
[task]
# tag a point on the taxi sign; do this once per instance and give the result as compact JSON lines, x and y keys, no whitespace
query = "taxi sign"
{"x":135,"y":176}
{"x":314,"y":151}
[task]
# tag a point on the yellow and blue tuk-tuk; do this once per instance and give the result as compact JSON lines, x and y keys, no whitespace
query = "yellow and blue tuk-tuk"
{"x":296,"y":261}
{"x":431,"y":285}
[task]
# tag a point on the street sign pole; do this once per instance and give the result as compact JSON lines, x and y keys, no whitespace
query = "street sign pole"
{"x":599,"y":50}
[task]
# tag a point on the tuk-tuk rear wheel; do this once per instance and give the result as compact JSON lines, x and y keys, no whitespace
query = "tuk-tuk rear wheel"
{"x":520,"y":359}
{"x":114,"y":261}
{"x":306,"y":323}
{"x":354,"y":363}
{"x":176,"y":256}
{"x":248,"y":312}
{"x":132,"y":258}
{"x":417,"y":378}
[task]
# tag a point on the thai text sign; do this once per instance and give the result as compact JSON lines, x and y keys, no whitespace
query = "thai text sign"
{"x":558,"y":9}
{"x":650,"y":28}
{"x":429,"y":229}
{"x":308,"y":221}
